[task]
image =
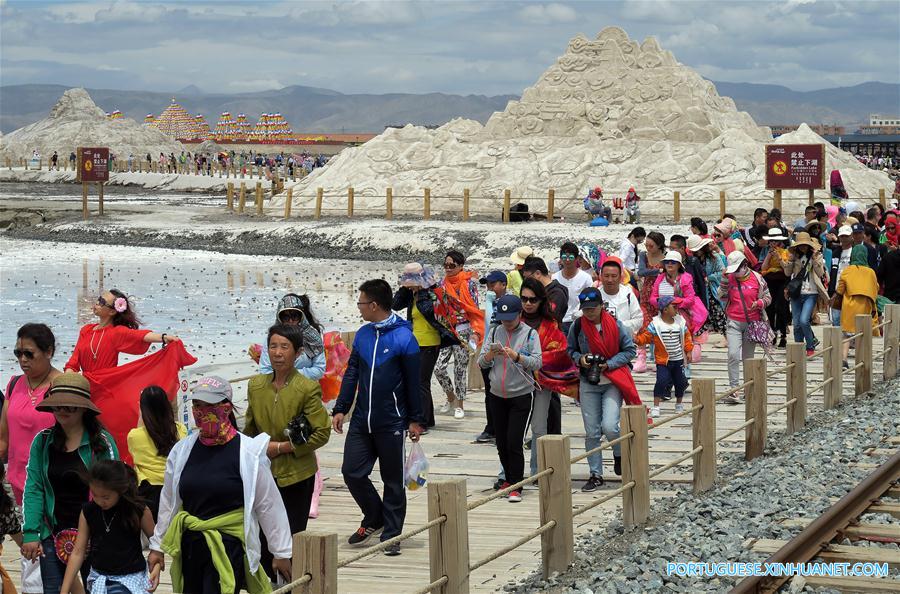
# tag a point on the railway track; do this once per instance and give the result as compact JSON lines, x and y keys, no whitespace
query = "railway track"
{"x":819,"y":538}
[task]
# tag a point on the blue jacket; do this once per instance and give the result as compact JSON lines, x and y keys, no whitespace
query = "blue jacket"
{"x":383,"y":377}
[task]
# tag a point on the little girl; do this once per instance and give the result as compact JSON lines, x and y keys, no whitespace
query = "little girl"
{"x":671,"y":338}
{"x":112,"y":523}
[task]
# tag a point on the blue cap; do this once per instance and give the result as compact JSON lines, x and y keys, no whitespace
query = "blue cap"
{"x":507,"y":308}
{"x":665,"y":301}
{"x":494,"y":276}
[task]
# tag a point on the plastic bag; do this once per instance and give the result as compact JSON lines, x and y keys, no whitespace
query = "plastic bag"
{"x":415,"y":471}
{"x":337,"y":356}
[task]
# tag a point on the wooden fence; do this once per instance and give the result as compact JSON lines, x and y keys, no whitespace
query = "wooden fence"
{"x":315,"y":559}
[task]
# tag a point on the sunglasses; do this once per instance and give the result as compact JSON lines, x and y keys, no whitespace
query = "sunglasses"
{"x":568,"y":257}
{"x":65,"y":409}
{"x":102,"y":302}
{"x":290,"y":316}
{"x":531,"y":299}
{"x":450,"y":265}
{"x":589,"y":297}
{"x":19,"y":353}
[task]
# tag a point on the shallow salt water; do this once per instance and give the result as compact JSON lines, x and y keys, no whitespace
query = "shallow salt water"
{"x":117,"y":194}
{"x":217,"y":303}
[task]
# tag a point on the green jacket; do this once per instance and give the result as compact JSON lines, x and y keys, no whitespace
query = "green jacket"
{"x":38,"y":500}
{"x":270,"y":412}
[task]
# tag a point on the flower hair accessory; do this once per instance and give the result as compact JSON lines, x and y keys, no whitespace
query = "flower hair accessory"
{"x":120,"y":304}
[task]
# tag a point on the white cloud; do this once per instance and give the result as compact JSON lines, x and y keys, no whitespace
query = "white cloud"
{"x":548,"y":13}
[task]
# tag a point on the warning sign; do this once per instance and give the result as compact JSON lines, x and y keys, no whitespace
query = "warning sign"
{"x":795,"y":166}
{"x":93,"y":164}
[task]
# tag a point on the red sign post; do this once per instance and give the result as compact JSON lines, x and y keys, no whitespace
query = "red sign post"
{"x":93,"y":166}
{"x":795,"y":166}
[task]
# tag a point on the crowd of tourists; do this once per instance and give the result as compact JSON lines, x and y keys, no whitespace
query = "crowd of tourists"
{"x":883,"y":162}
{"x":98,"y":459}
{"x":202,"y":163}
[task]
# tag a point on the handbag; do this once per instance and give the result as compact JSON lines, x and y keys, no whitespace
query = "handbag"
{"x":759,"y":331}
{"x":795,"y":285}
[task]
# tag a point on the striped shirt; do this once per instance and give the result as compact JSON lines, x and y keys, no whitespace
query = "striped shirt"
{"x":672,"y":337}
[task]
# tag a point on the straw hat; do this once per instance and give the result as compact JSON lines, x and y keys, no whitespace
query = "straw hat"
{"x":774,"y":234}
{"x":735,"y":259}
{"x":518,"y":256}
{"x":803,"y":238}
{"x":68,"y":389}
{"x":696,"y":243}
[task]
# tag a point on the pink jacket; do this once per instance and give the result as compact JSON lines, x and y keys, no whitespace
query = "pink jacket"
{"x":686,"y":300}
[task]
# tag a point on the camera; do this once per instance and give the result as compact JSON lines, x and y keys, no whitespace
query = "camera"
{"x":299,"y":430}
{"x":594,"y":373}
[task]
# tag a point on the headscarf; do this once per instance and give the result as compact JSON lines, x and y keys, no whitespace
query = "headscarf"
{"x":859,"y":256}
{"x":313,"y":343}
{"x":892,"y":237}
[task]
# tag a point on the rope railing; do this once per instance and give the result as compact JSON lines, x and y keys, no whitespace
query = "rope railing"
{"x":852,"y":337}
{"x":734,"y":390}
{"x":433,"y":585}
{"x":506,"y":491}
{"x":676,"y":462}
{"x":602,"y":447}
{"x":782,"y":407}
{"x":882,"y":354}
{"x":367,"y":552}
{"x":509,"y":548}
{"x":818,"y":387}
{"x":784,"y":369}
{"x":304,"y":579}
{"x":740,"y":427}
{"x":587,"y":507}
{"x":670,"y":418}
{"x":819,"y":353}
{"x":853,"y":368}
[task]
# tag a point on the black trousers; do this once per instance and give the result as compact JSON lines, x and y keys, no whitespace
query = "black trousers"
{"x":489,"y":425}
{"x":511,"y":417}
{"x":150,"y":494}
{"x":428,"y":360}
{"x":297,"y":499}
{"x":361,"y":450}
{"x":779,"y":311}
{"x":200,"y":575}
{"x":554,"y":415}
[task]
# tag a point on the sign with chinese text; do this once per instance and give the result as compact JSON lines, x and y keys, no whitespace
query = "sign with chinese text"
{"x":93,"y":164}
{"x":795,"y":166}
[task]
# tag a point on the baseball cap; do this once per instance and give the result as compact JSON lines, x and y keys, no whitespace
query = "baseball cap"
{"x":590,"y":297}
{"x":858,"y":228}
{"x":507,"y":308}
{"x":665,"y":301}
{"x":212,"y":389}
{"x":845,"y":230}
{"x":493,"y":276}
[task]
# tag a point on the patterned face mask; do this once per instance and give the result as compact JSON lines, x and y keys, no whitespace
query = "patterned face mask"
{"x":213,"y":423}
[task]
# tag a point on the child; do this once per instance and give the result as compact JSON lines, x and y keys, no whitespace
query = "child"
{"x":112,"y":523}
{"x":671,"y":337}
{"x":9,"y":524}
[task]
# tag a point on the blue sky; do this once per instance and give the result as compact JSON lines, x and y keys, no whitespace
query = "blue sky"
{"x":455,"y":47}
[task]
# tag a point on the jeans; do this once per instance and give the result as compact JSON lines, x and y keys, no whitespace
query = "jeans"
{"x":740,"y":347}
{"x":801,"y":314}
{"x":668,"y":375}
{"x":53,"y":570}
{"x":539,"y":416}
{"x":600,"y":410}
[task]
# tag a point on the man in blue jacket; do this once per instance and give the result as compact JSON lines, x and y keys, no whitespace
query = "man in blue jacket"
{"x":383,"y":378}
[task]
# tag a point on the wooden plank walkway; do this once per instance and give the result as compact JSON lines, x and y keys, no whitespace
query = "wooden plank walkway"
{"x":452,"y":453}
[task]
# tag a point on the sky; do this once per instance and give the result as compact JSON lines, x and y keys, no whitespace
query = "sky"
{"x":482,"y":47}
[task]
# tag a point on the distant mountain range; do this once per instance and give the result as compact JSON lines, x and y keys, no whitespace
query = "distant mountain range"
{"x":310,"y":109}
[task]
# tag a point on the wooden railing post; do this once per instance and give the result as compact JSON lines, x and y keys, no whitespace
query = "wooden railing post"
{"x":551,"y":203}
{"x":703,"y":393}
{"x":242,"y":198}
{"x":389,"y":204}
{"x":722,"y":204}
{"x":316,"y":554}
{"x":85,"y":213}
{"x":831,"y":368}
{"x":100,"y":198}
{"x":882,"y":198}
{"x":506,"y":205}
{"x":259,"y":198}
{"x":319,"y":192}
{"x":891,"y":333}
{"x":863,"y":379}
{"x":448,"y":542}
{"x":777,"y":200}
{"x":465,"y":213}
{"x":635,"y":466}
{"x":229,"y":197}
{"x":676,"y":206}
{"x":755,"y":407}
{"x":288,"y":201}
{"x":427,"y":204}
{"x":350,"y":201}
{"x":796,"y":387}
{"x":812,"y":197}
{"x":558,"y":543}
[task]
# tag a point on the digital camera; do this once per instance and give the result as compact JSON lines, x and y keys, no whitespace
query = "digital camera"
{"x":594,"y":373}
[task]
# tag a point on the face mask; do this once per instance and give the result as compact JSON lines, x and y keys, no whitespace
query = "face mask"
{"x":214,"y":425}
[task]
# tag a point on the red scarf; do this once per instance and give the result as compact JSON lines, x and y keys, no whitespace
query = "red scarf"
{"x":607,"y":344}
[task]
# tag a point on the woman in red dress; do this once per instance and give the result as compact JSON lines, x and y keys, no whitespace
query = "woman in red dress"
{"x":118,"y":331}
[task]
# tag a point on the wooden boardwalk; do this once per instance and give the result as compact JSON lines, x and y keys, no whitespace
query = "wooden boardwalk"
{"x":453,"y":454}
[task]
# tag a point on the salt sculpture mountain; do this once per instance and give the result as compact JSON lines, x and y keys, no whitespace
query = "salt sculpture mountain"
{"x":76,"y":121}
{"x":609,"y":112}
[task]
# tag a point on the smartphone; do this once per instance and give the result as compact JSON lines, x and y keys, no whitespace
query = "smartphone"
{"x":496,"y":347}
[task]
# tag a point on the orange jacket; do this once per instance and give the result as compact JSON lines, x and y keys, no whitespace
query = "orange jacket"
{"x":649,"y":335}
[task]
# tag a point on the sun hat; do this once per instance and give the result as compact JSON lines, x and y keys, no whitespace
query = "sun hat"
{"x":212,"y":389}
{"x":803,"y":238}
{"x":494,"y":276}
{"x":845,"y":230}
{"x":696,"y":243}
{"x":508,"y":308}
{"x":774,"y":234}
{"x":416,"y":274}
{"x":724,"y":227}
{"x":673,"y":256}
{"x":819,"y":226}
{"x":735,"y":259}
{"x":68,"y":389}
{"x":518,"y":256}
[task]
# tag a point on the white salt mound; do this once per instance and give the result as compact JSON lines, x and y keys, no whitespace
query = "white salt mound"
{"x":609,"y":112}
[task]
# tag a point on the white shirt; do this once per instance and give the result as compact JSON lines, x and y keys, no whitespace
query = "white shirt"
{"x":625,"y":307}
{"x":628,"y":255}
{"x":843,"y":263}
{"x":581,"y":280}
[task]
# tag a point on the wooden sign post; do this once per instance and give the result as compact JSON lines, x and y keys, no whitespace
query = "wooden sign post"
{"x":93,"y":166}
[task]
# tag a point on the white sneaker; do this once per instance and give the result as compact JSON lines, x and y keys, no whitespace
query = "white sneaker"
{"x":654,"y":412}
{"x":445,"y":408}
{"x":679,"y":408}
{"x":459,"y":413}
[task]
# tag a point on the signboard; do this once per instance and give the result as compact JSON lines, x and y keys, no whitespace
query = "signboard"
{"x":93,"y":165}
{"x":795,"y":166}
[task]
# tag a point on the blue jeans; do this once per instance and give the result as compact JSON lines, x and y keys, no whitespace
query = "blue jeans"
{"x":601,"y":407}
{"x":801,"y":316}
{"x":53,"y":570}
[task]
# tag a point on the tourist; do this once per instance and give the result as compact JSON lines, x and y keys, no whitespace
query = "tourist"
{"x":699,"y":227}
{"x":384,"y":384}
{"x":628,"y":250}
{"x":54,"y":161}
{"x":573,"y":279}
{"x":54,"y":491}
{"x":840,"y":259}
{"x":889,"y":273}
{"x":676,"y":283}
{"x":514,"y":277}
{"x":512,"y":352}
{"x":296,"y":310}
{"x":459,"y":307}
{"x":772,"y":269}
{"x":692,"y":266}
{"x":632,"y":208}
{"x":496,"y":283}
{"x":217,"y":494}
{"x":859,"y":233}
{"x":858,"y":286}
{"x":746,"y":297}
{"x":806,"y":267}
{"x":713,"y":269}
{"x":417,"y":295}
{"x":650,"y":266}
{"x":276,"y":403}
{"x":110,"y":526}
{"x":672,"y":345}
{"x":605,"y":381}
{"x":593,"y":204}
{"x":620,"y":300}
{"x":21,"y":420}
{"x":557,"y":293}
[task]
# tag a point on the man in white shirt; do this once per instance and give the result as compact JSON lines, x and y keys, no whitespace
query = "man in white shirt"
{"x":573,"y":278}
{"x":628,"y":251}
{"x":619,"y":299}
